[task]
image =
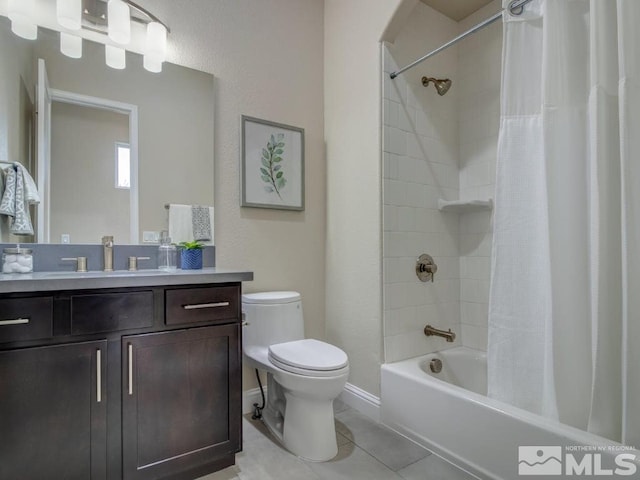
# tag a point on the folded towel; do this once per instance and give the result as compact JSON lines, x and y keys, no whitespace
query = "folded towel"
{"x":20,"y":191}
{"x":201,"y":223}
{"x":191,"y":222}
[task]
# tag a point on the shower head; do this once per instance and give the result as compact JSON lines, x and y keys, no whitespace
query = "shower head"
{"x":442,"y":85}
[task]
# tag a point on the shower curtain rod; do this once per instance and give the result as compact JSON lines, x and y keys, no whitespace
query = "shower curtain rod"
{"x":516,"y":7}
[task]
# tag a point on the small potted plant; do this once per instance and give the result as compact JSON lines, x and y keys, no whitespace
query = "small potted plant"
{"x":191,"y":255}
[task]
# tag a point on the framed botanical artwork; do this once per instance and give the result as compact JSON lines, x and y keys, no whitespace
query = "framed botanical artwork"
{"x":272,"y":170}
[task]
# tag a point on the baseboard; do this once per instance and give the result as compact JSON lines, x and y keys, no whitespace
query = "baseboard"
{"x":362,"y":401}
{"x":249,"y":397}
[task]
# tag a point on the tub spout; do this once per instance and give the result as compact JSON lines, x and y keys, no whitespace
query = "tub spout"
{"x":449,"y":336}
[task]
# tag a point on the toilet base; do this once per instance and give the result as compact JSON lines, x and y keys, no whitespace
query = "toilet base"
{"x":305,"y":426}
{"x":308,"y":431}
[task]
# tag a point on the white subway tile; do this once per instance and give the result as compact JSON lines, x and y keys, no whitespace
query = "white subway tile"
{"x":474,"y":337}
{"x":474,"y":314}
{"x":391,"y":113}
{"x":395,"y":141}
{"x":407,"y":118}
{"x":390,"y":218}
{"x":401,"y":320}
{"x":394,"y":193}
{"x":394,"y":244}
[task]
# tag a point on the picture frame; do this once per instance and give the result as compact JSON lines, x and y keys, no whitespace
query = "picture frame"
{"x":272,"y":165}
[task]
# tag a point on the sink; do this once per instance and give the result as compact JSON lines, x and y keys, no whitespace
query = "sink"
{"x":100,"y":274}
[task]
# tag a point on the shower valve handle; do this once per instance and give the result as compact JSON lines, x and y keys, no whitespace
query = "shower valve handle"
{"x":426,"y":268}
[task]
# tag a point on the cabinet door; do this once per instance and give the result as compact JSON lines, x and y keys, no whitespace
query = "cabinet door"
{"x":181,"y":405}
{"x":53,"y":412}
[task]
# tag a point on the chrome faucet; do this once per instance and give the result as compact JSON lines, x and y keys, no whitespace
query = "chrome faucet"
{"x":107,"y":248}
{"x":448,"y":336}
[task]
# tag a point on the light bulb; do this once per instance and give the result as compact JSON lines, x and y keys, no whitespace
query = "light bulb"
{"x":70,"y":45}
{"x":21,"y":16}
{"x":156,"y":48}
{"x":69,"y":13}
{"x":151,"y":65}
{"x":115,"y":57}
{"x":119,"y":21}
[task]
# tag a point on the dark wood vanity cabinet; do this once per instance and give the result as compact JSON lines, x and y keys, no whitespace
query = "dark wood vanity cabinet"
{"x":180,"y":402}
{"x":53,"y":412}
{"x":120,"y":383}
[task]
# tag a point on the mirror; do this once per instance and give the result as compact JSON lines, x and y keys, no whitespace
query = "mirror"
{"x":85,"y":192}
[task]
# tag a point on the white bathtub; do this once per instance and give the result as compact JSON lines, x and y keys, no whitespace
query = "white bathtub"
{"x":450,"y":414}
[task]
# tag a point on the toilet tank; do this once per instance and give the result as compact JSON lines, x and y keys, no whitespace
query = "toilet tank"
{"x":271,"y":317}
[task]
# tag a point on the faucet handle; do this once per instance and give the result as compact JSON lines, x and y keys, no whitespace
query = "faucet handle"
{"x":81,"y":263}
{"x":133,"y":262}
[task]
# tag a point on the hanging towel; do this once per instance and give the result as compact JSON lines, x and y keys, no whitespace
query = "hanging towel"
{"x":8,"y":202}
{"x":201,"y":222}
{"x":31,"y":195}
{"x":20,"y":192}
{"x":180,"y":223}
{"x":188,"y":223}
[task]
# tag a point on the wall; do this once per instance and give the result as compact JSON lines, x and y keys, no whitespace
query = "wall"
{"x":84,"y":199}
{"x":420,"y":166}
{"x":352,"y":130}
{"x":267,"y":57}
{"x":479,"y":76}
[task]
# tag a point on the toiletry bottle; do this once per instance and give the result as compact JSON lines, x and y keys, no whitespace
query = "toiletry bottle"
{"x":167,"y":254}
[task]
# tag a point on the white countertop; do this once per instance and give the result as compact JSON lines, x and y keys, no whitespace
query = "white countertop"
{"x":50,"y":281}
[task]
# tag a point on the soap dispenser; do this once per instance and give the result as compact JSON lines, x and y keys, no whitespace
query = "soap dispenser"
{"x":167,"y":253}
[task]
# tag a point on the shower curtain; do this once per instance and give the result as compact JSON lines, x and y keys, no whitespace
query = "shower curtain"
{"x":564,"y":307}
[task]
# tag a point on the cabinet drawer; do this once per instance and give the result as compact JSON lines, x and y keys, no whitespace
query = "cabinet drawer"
{"x":107,"y":312}
{"x":190,"y":305}
{"x":26,"y":318}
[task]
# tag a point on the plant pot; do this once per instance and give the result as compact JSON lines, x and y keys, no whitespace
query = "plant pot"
{"x":191,"y":259}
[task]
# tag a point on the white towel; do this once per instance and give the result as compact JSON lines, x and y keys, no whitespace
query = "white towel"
{"x":181,"y":224}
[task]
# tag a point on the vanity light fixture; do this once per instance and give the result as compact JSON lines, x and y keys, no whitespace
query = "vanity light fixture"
{"x":21,"y":14}
{"x":111,"y":18}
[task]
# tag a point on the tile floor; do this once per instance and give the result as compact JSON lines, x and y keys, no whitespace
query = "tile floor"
{"x":366,"y":450}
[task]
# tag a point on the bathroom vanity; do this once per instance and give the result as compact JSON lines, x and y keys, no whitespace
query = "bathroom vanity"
{"x":120,"y":376}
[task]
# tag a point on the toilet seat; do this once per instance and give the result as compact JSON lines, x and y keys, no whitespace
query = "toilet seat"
{"x":309,"y":357}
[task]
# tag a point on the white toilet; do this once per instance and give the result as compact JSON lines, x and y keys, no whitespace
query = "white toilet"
{"x":303,"y":376}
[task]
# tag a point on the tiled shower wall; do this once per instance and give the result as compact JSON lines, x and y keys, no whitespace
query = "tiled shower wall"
{"x":438,"y":147}
{"x":420,"y":144}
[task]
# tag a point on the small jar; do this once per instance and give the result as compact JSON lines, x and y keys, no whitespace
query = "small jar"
{"x":17,"y":260}
{"x":167,"y":255}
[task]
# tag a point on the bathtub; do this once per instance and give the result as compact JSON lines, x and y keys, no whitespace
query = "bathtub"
{"x":450,"y":414}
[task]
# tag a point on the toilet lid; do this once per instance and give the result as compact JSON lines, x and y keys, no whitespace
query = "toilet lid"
{"x":308,"y":354}
{"x":268,"y":298}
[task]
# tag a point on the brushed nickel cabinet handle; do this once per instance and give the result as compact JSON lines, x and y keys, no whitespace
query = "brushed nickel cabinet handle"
{"x":130,"y":354}
{"x":98,"y":375}
{"x":205,"y":305}
{"x":15,"y":321}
